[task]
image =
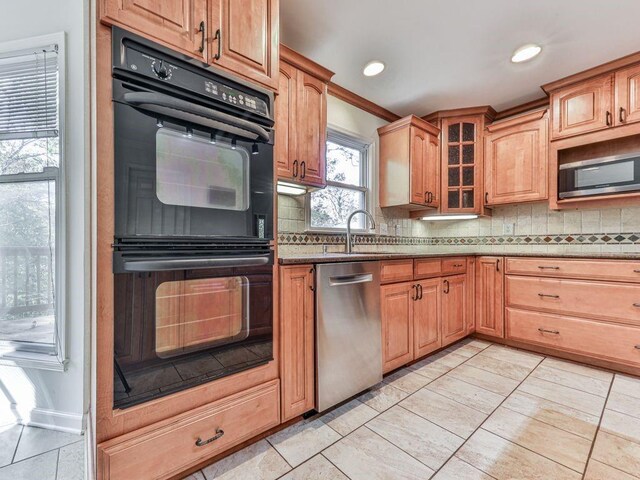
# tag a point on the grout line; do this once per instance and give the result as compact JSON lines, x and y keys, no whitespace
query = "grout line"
{"x":431,"y":421}
{"x":464,"y":404}
{"x":15,"y":450}
{"x":563,"y":385}
{"x":400,"y":448}
{"x":57,"y":465}
{"x":593,"y":442}
{"x":558,"y":403}
{"x":472,"y":466}
{"x":337,"y":467}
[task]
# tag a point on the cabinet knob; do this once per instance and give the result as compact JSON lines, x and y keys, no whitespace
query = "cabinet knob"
{"x":446,"y":284}
{"x":218,"y":38}
{"x":623,"y":115}
{"x":295,"y":168}
{"x":201,"y":30}
{"x":608,"y":118}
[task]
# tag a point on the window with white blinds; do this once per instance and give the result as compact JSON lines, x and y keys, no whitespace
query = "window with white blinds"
{"x":31,"y":199}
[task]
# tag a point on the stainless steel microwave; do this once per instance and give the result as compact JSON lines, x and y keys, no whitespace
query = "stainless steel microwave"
{"x":606,"y":175}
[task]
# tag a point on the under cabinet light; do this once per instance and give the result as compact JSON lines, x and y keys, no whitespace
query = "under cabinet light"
{"x":290,"y":189}
{"x":435,"y":218}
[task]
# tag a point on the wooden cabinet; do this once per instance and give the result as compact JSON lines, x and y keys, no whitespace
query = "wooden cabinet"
{"x":243,"y":38}
{"x":301,"y":120}
{"x":489,"y":290}
{"x":627,"y":95}
{"x":297,"y":365}
{"x":454,"y":308}
{"x":409,"y":164}
{"x":397,"y":309}
{"x":396,"y":270}
{"x":177,"y":24}
{"x":426,"y":318}
{"x":582,"y":107}
{"x":516,"y":159}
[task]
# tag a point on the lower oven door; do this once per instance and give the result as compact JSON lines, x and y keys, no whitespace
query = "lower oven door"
{"x":181,"y":322}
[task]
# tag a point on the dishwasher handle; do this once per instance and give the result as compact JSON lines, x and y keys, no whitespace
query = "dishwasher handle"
{"x":340,"y":280}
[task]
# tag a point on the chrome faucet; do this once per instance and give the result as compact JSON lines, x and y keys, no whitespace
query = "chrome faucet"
{"x":367,"y":214}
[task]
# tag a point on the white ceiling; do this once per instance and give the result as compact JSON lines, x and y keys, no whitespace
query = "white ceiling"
{"x":444,"y":54}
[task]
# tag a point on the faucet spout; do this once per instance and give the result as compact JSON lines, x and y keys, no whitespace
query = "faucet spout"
{"x":349,"y":245}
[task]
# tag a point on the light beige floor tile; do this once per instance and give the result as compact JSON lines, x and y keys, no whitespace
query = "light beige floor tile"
{"x":560,"y":446}
{"x":552,"y":413}
{"x":9,"y":436}
{"x":406,"y":380}
{"x":258,"y":461}
{"x":499,"y":367}
{"x":38,"y":440}
{"x":578,"y":368}
{"x":570,"y":397}
{"x":464,"y":350}
{"x":442,"y":411}
{"x":484,"y":379}
{"x":624,"y":404}
{"x":346,"y":418}
{"x":470,"y":395}
{"x":448,"y":359}
{"x":600,"y":471}
{"x":474,"y":342}
{"x":421,"y":439}
{"x":382,"y":397}
{"x":195,"y":476}
{"x":39,"y":467}
{"x":519,"y":357}
{"x":364,"y":455}
{"x":71,"y":462}
{"x":456,"y":469}
{"x":621,"y":425}
{"x":626,"y":385}
{"x":303,"y":440}
{"x":318,"y":468}
{"x":617,"y":452}
{"x":506,"y":460}
{"x":429,"y":370}
{"x":571,"y":379}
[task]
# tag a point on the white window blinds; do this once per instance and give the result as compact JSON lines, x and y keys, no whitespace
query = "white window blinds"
{"x":29,"y":94}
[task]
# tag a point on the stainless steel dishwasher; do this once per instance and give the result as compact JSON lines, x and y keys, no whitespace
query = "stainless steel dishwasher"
{"x":348,"y":330}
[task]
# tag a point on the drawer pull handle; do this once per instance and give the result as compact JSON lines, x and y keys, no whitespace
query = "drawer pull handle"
{"x":543,"y":267}
{"x":202,"y":443}
{"x":637,"y":305}
{"x":458,"y":265}
{"x":637,"y":347}
{"x":541,"y":295}
{"x":555,"y":332}
{"x":636,"y":271}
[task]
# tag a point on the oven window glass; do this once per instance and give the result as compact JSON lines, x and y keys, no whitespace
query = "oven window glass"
{"x":193,"y":172}
{"x":198,"y":314}
{"x":611,"y":174}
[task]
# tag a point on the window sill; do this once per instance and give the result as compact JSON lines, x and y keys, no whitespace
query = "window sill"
{"x":324,"y":231}
{"x":39,"y":361}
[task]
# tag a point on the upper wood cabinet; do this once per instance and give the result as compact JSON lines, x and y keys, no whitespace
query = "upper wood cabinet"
{"x":516,"y":159}
{"x":301,"y":120}
{"x":583,"y":107}
{"x":176,"y":23}
{"x":243,"y":38}
{"x":409,"y":164}
{"x":455,"y":304}
{"x":489,"y":293}
{"x":397,"y":307}
{"x":297,"y":364}
{"x":627,"y":95}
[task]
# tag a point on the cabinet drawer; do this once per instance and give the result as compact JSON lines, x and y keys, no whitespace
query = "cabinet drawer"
{"x":452,"y":266}
{"x":426,"y":268}
{"x":614,"y":270}
{"x":396,"y":271}
{"x":159,"y":452}
{"x":618,"y":343}
{"x":599,"y":300}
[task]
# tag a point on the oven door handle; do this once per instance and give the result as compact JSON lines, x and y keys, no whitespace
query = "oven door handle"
{"x":175,"y":107}
{"x":168,"y":264}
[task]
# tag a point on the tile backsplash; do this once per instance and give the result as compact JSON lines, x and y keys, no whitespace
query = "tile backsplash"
{"x":526,"y":228}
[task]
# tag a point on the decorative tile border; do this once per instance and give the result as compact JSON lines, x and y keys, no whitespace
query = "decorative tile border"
{"x":559,"y":239}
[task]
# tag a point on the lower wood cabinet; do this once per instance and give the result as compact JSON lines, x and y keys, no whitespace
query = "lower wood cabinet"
{"x":397,"y":310}
{"x":489,"y":301}
{"x":455,"y":304}
{"x":297,"y":365}
{"x":426,"y":318}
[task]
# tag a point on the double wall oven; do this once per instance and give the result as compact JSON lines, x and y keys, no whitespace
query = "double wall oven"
{"x":193,"y":265}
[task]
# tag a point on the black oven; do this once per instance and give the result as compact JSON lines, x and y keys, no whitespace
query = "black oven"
{"x":193,"y":148}
{"x":188,"y":316}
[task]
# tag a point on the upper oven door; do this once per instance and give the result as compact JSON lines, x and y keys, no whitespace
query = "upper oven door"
{"x":184,"y":170}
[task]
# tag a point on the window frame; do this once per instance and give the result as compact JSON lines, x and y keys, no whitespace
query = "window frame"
{"x":37,"y":355}
{"x":365,"y":146}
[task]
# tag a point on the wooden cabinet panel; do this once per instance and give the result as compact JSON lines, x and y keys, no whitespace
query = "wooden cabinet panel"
{"x":454,"y":265}
{"x":297,"y":340}
{"x":516,"y":161}
{"x":396,"y":271}
{"x":286,"y":147}
{"x":426,"y":318}
{"x":617,"y":343}
{"x":244,"y":38}
{"x":489,"y":303}
{"x":454,"y":308}
{"x":583,"y":107}
{"x":166,"y":449}
{"x":471,"y":294}
{"x":426,"y":268}
{"x":174,"y":23}
{"x":627,"y":95}
{"x":604,"y":301}
{"x":312,"y":129}
{"x":431,"y":171}
{"x":418,"y":142}
{"x":613,"y":270}
{"x":397,"y":307}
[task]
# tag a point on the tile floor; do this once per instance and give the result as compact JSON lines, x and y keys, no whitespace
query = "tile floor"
{"x":476,"y":411}
{"x":30,"y":453}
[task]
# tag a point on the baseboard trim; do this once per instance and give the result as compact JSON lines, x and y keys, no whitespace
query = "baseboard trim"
{"x":54,"y":420}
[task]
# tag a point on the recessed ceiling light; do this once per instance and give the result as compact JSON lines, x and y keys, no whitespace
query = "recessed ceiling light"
{"x":373,"y":68}
{"x":526,"y":52}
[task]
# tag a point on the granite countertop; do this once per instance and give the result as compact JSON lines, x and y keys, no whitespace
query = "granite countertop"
{"x":365,"y":257}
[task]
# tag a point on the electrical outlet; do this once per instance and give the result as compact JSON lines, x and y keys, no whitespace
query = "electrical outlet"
{"x":384,"y":229}
{"x":508,"y":228}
